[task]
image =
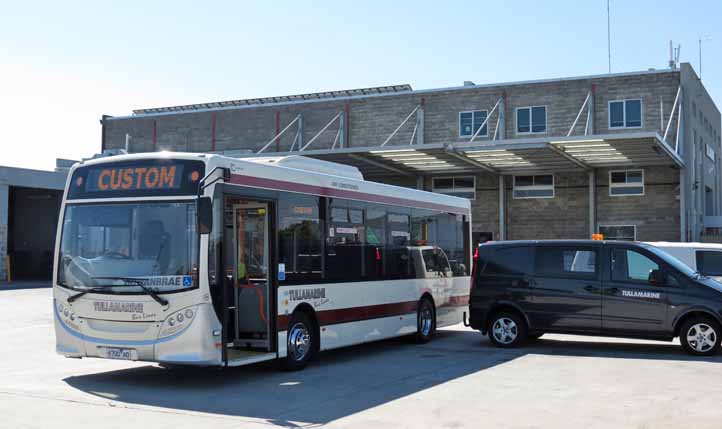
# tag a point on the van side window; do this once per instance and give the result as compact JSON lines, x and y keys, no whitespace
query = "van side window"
{"x":510,"y":261}
{"x":435,"y":261}
{"x":628,"y":265}
{"x":709,"y":262}
{"x":566,"y":261}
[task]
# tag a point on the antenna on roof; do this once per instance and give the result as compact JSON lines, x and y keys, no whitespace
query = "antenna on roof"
{"x":674,"y":55}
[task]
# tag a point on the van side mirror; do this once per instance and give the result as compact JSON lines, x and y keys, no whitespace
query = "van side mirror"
{"x":204,"y":212}
{"x":658,"y":277}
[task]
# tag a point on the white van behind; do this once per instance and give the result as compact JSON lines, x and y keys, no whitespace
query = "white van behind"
{"x":705,"y":258}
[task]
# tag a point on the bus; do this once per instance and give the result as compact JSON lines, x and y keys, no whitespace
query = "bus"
{"x":202,"y":259}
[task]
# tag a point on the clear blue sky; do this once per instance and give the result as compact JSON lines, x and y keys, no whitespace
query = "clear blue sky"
{"x":63,"y":63}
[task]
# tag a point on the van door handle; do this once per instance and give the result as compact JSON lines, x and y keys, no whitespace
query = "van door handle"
{"x":591,"y":289}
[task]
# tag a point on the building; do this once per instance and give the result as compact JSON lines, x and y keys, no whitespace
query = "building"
{"x":630,"y":155}
{"x":29,"y":208}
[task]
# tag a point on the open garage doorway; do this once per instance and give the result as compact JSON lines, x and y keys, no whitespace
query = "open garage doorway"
{"x":32,"y":222}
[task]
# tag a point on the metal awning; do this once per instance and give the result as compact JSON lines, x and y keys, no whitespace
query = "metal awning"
{"x":510,"y":156}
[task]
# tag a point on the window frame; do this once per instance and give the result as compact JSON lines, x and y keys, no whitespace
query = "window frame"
{"x":600,"y":226}
{"x":626,"y":184}
{"x":624,"y":113}
{"x":473,"y":114}
{"x":660,"y":266}
{"x":531,"y":125}
{"x":595,"y":275}
{"x":698,"y":256}
{"x":453,"y":189}
{"x":532,"y":187}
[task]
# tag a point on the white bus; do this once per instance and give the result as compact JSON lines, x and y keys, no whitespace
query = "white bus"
{"x":202,"y":259}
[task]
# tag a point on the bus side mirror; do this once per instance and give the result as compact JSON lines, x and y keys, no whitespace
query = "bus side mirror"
{"x":204,"y":210}
{"x":658,"y":277}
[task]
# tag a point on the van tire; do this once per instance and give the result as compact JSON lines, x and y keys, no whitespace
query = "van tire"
{"x":507,"y":329}
{"x":425,"y":321}
{"x":696,"y":334}
{"x":301,"y":342}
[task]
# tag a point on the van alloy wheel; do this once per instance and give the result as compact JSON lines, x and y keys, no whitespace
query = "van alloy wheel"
{"x":701,"y":337}
{"x":426,"y":320}
{"x":505,"y":330}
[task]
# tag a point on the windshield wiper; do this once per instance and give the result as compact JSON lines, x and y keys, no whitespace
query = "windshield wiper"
{"x":137,"y":282}
{"x":91,"y":290}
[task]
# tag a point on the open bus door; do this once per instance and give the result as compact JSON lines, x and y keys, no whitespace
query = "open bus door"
{"x":248,"y":285}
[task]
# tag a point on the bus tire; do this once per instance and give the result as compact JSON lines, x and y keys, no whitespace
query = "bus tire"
{"x":425,"y":321}
{"x":300,"y":342}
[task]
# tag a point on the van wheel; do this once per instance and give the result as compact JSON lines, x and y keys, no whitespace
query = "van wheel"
{"x":425,"y":321}
{"x":700,"y":336}
{"x":507,"y":329}
{"x":300,"y":342}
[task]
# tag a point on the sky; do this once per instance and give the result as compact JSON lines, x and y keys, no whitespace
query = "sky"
{"x":65,"y":64}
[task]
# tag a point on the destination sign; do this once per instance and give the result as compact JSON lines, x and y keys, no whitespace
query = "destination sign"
{"x":160,"y":177}
{"x":125,"y":178}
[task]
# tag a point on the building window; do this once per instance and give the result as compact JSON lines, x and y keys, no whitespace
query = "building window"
{"x":618,"y":232}
{"x":626,"y":183}
{"x":709,"y":151}
{"x":470,"y":122}
{"x":625,"y":114}
{"x":464,"y":187}
{"x":530,"y":120}
{"x":540,"y":186}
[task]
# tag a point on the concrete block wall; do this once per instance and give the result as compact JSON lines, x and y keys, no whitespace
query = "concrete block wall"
{"x":655,"y":214}
{"x":372,"y":119}
{"x":566,"y":216}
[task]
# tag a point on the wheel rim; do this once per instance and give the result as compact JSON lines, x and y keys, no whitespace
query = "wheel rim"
{"x":426,"y":320}
{"x":505,"y":330}
{"x":299,"y":341}
{"x":701,"y":337}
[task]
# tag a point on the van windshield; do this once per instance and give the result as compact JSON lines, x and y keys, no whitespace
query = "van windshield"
{"x":674,"y":262}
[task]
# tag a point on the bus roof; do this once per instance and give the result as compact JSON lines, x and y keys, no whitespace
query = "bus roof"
{"x":305,"y":175}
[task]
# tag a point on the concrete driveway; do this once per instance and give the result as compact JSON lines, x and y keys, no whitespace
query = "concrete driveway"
{"x":456,"y":381}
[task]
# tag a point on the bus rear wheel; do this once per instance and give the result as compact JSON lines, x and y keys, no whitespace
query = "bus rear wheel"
{"x":300,"y":342}
{"x":425,"y":321}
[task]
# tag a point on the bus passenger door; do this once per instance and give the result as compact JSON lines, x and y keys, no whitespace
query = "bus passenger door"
{"x":251,"y":278}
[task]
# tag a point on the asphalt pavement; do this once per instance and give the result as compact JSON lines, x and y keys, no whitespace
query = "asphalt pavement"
{"x":457,"y":381}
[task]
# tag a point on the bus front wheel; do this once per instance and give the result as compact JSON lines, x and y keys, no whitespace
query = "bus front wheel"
{"x":300,"y":342}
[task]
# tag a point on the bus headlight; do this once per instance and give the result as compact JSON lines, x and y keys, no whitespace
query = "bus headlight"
{"x":67,"y":315}
{"x":177,"y":321}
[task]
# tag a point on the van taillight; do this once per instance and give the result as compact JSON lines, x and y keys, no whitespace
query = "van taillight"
{"x":474,"y":265}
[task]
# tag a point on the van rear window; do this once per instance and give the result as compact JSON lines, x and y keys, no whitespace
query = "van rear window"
{"x":509,"y":261}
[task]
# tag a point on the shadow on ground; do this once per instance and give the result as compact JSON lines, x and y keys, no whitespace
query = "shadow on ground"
{"x":25,"y":284}
{"x":342,"y":382}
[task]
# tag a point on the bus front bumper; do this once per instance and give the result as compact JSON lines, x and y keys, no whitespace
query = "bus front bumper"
{"x":194,"y":345}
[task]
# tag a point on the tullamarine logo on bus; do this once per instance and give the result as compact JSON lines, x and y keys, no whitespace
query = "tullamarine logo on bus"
{"x":118,"y":307}
{"x":307,"y":294}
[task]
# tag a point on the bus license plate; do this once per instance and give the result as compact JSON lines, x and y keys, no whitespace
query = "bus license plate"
{"x":118,"y":353}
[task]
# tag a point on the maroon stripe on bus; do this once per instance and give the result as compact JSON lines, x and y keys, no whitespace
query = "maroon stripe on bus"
{"x":355,"y":314}
{"x":281,"y":185}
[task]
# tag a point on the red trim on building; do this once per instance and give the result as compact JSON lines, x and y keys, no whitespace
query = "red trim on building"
{"x":281,"y":185}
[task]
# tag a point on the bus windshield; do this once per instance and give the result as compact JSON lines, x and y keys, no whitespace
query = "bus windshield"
{"x":114,"y":245}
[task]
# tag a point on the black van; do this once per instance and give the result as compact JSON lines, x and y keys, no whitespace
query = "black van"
{"x":523,"y":289}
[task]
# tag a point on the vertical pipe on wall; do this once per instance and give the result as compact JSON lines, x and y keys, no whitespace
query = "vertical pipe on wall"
{"x":420,"y":122}
{"x":155,"y":136}
{"x":213,"y":132}
{"x":682,"y":205}
{"x":278,"y":131}
{"x":592,"y":203}
{"x":347,"y":125}
{"x":502,"y":209}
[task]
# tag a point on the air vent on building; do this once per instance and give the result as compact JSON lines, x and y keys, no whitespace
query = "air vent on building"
{"x":469,"y":83}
